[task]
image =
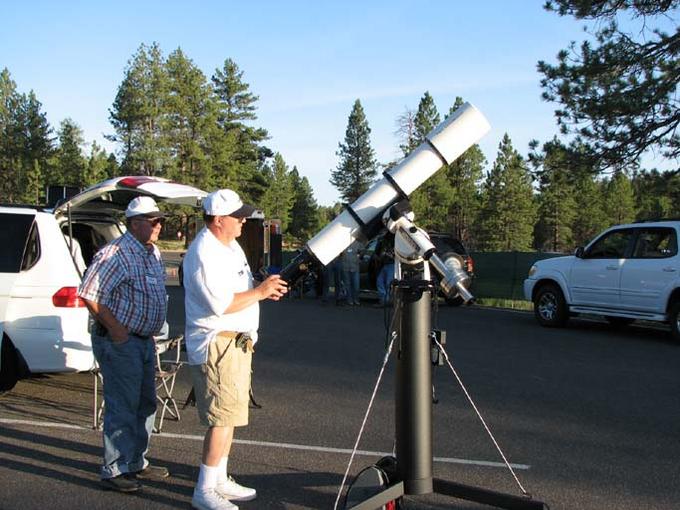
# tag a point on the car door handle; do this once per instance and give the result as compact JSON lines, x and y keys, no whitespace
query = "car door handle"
{"x":669,"y":270}
{"x":612,"y":268}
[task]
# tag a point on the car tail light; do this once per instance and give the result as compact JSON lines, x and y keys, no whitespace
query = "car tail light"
{"x":136,"y":181}
{"x":470,"y":265}
{"x":67,"y":297}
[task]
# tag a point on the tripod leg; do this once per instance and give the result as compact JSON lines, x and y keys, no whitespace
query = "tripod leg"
{"x":485,"y":496}
{"x":382,"y":498}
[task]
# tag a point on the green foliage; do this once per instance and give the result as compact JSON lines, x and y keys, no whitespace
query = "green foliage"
{"x":357,"y":168}
{"x":279,"y":197}
{"x":32,"y":192}
{"x":304,"y":219}
{"x":25,"y":139}
{"x":619,"y":201}
{"x":508,"y":211}
{"x":238,"y":154}
{"x":464,"y":177}
{"x":69,"y":163}
{"x":98,"y":166}
{"x":431,"y":200}
{"x":656,"y":194}
{"x":618,"y":92}
{"x":556,"y":202}
{"x":138,"y":114}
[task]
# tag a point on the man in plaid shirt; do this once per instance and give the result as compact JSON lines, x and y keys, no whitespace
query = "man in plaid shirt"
{"x":124,"y":289}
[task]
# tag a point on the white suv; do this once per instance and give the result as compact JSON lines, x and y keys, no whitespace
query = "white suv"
{"x":628,"y":272}
{"x":43,"y":253}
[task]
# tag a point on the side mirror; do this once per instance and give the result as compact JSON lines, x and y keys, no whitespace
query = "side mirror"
{"x":578,"y":252}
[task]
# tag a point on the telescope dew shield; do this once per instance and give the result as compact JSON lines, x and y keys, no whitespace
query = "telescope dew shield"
{"x":457,"y":133}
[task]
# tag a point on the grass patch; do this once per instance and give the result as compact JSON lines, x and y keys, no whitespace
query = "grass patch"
{"x":514,"y":304}
{"x":170,"y":245}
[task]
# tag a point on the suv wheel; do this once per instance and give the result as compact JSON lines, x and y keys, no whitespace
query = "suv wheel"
{"x":674,"y":320}
{"x":550,"y":307}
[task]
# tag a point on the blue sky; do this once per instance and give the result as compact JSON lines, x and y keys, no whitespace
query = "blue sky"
{"x":307,"y":60}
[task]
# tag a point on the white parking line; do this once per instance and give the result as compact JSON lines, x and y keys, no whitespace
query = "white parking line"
{"x":266,"y":444}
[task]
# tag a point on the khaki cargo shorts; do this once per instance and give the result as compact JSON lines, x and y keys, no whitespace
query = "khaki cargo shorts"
{"x":222,"y":384}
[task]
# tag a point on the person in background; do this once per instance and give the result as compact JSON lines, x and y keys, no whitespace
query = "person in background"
{"x":350,"y":272}
{"x":332,"y":273}
{"x":385,"y":255}
{"x":222,"y":318}
{"x":124,"y":289}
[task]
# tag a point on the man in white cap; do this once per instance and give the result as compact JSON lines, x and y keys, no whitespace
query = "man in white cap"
{"x":124,"y":289}
{"x":222,"y":317}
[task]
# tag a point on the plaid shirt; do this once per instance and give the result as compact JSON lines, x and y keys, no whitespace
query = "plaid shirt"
{"x":129,"y":280}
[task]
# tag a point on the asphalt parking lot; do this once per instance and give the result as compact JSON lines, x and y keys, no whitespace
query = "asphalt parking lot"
{"x":589,"y":416}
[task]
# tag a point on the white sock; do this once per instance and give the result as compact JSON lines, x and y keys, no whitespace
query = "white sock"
{"x":222,"y":476}
{"x":208,"y":477}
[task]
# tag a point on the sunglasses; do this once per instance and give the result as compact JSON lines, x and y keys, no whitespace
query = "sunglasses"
{"x":152,"y":221}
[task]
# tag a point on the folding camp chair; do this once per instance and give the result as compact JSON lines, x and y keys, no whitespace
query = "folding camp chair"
{"x":167,"y":365}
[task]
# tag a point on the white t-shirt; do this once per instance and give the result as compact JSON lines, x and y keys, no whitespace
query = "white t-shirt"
{"x":213,"y":273}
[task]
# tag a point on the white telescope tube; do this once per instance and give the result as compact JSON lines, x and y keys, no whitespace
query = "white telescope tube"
{"x":446,"y":142}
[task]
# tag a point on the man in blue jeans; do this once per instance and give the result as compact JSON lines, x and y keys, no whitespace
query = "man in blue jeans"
{"x":124,"y":289}
{"x":385,"y":255}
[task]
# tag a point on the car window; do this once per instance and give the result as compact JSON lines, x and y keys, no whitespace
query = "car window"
{"x":446,"y":244}
{"x":13,"y":236}
{"x":656,"y":243}
{"x":32,"y":250}
{"x":611,"y":246}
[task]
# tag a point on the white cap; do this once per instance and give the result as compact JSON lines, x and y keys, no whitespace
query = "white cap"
{"x":225,"y":202}
{"x":143,"y":206}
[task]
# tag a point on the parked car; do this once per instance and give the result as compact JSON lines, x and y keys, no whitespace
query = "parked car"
{"x":626,"y":273}
{"x":445,"y":244}
{"x":44,"y":325}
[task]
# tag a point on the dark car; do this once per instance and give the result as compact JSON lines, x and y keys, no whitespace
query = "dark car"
{"x":446,"y":245}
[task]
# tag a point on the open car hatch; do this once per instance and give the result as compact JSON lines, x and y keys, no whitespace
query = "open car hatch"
{"x":114,"y":195}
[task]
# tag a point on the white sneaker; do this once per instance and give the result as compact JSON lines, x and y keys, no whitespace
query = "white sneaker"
{"x":231,"y":490}
{"x":211,"y":500}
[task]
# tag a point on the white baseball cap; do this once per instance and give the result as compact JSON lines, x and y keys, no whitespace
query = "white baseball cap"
{"x":225,"y":202}
{"x":143,"y":206}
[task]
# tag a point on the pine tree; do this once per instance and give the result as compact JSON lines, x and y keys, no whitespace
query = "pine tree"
{"x":652,"y":197}
{"x":10,"y":138}
{"x":25,"y":137}
{"x":304,"y":215}
{"x":619,"y":202}
{"x":32,"y":191}
{"x":406,"y":131}
{"x":618,"y":93}
{"x":239,"y":156}
{"x":508,"y":212}
{"x":464,"y":177}
{"x":556,"y":203}
{"x":192,"y":116}
{"x":70,"y":164}
{"x":279,"y":197}
{"x":432,"y":200}
{"x":139,"y":111}
{"x":39,"y":141}
{"x":357,"y":168}
{"x":590,"y":218}
{"x":97,"y":168}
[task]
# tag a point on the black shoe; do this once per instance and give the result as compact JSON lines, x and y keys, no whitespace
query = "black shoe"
{"x":152,"y":473}
{"x":121,"y":483}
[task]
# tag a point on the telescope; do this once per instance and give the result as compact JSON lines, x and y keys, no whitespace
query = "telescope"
{"x":362,"y":219}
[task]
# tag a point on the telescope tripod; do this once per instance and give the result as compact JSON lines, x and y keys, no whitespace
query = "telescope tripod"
{"x":413,"y":413}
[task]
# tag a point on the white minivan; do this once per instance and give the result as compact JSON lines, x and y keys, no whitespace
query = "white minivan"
{"x":43,"y":252}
